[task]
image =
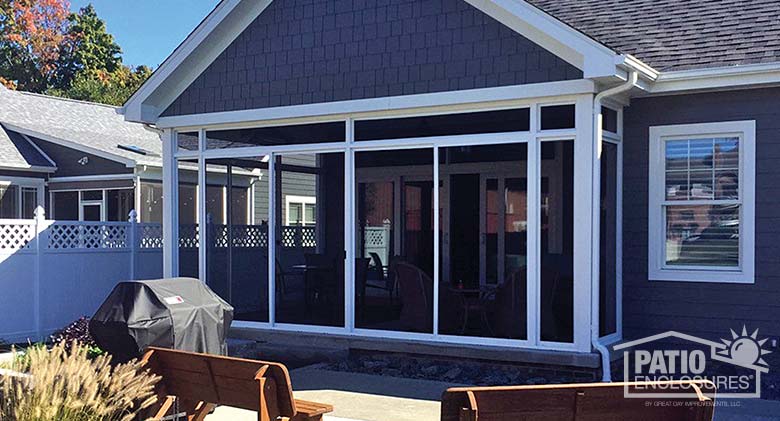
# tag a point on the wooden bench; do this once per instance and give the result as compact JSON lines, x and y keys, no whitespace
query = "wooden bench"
{"x":197,"y":383}
{"x":580,"y":402}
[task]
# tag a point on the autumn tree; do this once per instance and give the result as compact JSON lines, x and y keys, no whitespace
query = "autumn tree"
{"x":105,"y":87}
{"x":32,"y":36}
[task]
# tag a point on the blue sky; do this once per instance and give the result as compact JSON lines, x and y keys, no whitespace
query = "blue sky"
{"x":149,"y":30}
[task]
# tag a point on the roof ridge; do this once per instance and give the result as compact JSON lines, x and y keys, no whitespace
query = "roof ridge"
{"x":59,"y":98}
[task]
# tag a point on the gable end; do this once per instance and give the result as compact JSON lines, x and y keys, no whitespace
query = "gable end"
{"x":302,"y":52}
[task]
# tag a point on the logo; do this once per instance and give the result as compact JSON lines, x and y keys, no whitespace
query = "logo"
{"x":734,"y":365}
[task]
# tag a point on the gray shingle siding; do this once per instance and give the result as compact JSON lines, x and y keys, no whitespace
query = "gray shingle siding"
{"x":705,"y":309}
{"x":312,"y":51}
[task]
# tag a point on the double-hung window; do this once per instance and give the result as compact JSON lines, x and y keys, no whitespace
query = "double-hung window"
{"x":701,"y":204}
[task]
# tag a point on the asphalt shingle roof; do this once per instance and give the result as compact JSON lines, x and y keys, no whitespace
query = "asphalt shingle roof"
{"x":98,"y":126}
{"x":17,"y":152}
{"x":678,"y":34}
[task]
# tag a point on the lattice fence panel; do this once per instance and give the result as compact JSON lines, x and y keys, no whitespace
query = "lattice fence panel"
{"x":219,"y":236}
{"x":376,"y":237}
{"x":250,"y":236}
{"x":308,"y":237}
{"x":87,"y":236}
{"x":16,"y":236}
{"x":150,"y":236}
{"x":189,"y":236}
{"x":290,"y":237}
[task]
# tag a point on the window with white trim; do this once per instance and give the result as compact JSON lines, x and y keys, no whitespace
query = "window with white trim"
{"x":701,"y":204}
{"x":301,"y":211}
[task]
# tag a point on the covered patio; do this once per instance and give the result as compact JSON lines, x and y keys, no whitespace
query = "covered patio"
{"x":469,"y":222}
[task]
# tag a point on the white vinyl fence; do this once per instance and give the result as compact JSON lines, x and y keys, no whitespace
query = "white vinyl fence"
{"x":53,"y":272}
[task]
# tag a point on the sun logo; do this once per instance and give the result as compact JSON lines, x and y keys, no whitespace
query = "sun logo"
{"x":745,"y":350}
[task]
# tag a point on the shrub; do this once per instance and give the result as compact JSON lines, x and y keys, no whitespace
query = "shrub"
{"x":77,"y":331}
{"x":66,"y":385}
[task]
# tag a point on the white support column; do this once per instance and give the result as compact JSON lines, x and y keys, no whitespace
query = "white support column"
{"x":436,"y":241}
{"x":619,"y":241}
{"x":170,"y":225}
{"x":349,"y":230}
{"x":271,"y":235}
{"x":585,"y":204}
{"x":202,"y":219}
{"x":534,"y":211}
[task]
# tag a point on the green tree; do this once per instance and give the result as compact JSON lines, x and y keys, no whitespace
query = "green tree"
{"x":89,"y":48}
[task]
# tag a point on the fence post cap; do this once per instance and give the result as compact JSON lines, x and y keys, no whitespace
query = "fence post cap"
{"x":132,"y":216}
{"x":39,"y":213}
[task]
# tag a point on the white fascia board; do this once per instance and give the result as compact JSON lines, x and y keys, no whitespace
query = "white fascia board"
{"x":374,"y":105}
{"x":717,"y":78}
{"x":30,"y":168}
{"x":40,"y":151}
{"x":593,"y":58}
{"x":97,"y":177}
{"x":214,"y":34}
{"x":129,"y":163}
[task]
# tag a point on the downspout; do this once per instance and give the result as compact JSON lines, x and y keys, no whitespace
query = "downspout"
{"x":631,"y":81}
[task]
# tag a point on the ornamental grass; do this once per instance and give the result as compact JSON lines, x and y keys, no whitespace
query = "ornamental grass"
{"x":63,"y":383}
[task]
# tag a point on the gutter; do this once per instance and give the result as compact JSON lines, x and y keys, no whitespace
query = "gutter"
{"x":633,"y":78}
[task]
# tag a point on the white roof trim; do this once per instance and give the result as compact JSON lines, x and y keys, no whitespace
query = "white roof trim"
{"x":593,"y":58}
{"x":72,"y":145}
{"x":226,"y":22}
{"x":40,"y":151}
{"x":717,"y":78}
{"x":30,"y":168}
{"x":212,"y":36}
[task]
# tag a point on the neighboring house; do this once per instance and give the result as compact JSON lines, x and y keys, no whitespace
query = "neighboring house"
{"x":83,"y":161}
{"x":606,"y":169}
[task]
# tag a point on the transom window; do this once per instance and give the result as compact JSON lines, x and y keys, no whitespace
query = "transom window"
{"x":702,"y":202}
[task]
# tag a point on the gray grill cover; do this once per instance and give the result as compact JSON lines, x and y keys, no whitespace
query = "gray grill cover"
{"x":178,"y":313}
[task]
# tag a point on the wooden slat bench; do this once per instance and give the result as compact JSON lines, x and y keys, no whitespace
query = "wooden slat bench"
{"x":579,"y":402}
{"x":200,"y":382}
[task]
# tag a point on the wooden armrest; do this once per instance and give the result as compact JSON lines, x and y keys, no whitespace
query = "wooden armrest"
{"x":311,"y":410}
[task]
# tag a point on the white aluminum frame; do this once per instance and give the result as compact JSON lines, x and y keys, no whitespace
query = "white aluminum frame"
{"x":657,"y":269}
{"x":581,"y":136}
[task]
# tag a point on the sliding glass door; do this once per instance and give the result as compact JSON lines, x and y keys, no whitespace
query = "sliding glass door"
{"x":394,"y":240}
{"x":310,"y":250}
{"x":483,"y":288}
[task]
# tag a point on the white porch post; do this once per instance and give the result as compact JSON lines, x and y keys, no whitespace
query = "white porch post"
{"x":203,"y":232}
{"x":585,"y":204}
{"x":170,"y":175}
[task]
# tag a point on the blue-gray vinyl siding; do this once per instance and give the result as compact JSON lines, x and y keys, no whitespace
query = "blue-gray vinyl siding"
{"x":702,"y":309}
{"x":303,"y":51}
{"x":67,"y":160}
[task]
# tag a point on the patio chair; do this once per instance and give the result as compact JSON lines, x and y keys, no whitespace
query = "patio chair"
{"x":200,"y":382}
{"x":361,"y":276}
{"x":415,"y":288}
{"x":509,"y":318}
{"x":580,"y":402}
{"x":377,"y":273}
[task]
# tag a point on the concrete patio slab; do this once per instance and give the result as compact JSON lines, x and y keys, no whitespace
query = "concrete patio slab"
{"x":366,"y":397}
{"x":360,"y":397}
